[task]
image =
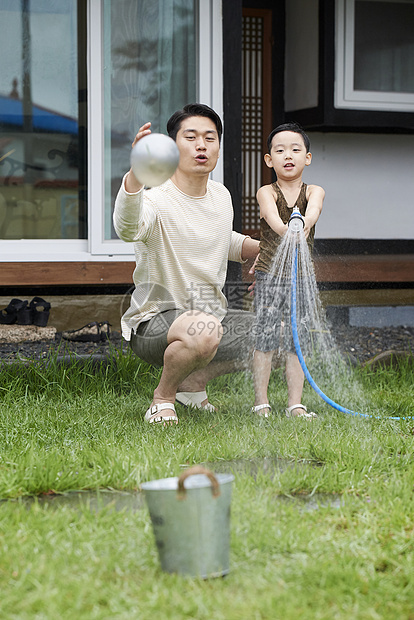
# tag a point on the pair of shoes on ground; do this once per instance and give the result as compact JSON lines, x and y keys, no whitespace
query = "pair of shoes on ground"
{"x":265,"y":410}
{"x":92,"y":332}
{"x":21,"y":312}
{"x":188,"y":399}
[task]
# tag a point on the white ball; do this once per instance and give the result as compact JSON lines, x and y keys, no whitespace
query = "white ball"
{"x":154,"y":159}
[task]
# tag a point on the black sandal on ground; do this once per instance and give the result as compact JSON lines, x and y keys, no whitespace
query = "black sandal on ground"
{"x":16,"y":312}
{"x":39,"y":309}
{"x":24,"y":314}
{"x":8,"y":315}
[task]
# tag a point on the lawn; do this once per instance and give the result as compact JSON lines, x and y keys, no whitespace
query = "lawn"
{"x":349,"y":554}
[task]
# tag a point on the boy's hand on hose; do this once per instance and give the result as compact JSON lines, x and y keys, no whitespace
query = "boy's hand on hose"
{"x":306,"y":228}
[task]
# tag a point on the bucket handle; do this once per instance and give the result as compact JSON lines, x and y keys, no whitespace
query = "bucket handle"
{"x":192,"y":471}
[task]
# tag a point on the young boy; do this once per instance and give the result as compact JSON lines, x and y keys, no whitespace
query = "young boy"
{"x":289,"y":153}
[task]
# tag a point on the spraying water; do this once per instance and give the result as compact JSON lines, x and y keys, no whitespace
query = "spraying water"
{"x":304,"y":318}
{"x":292,"y":267}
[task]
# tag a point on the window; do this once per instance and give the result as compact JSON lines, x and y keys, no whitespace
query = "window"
{"x":42,"y":172}
{"x":375,"y":54}
{"x":92,"y":72}
{"x":146,"y":55}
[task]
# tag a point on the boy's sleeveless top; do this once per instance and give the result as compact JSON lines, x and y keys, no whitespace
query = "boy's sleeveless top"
{"x":269,"y":240}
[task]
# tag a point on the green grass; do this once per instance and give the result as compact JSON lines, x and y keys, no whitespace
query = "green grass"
{"x":66,"y":428}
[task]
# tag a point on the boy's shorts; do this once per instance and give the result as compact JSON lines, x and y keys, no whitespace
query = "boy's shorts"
{"x":150,"y":340}
{"x":273,"y":328}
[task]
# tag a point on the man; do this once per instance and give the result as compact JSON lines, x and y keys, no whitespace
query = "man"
{"x":183,"y":238}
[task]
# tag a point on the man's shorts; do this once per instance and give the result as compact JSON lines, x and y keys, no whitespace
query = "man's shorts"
{"x":273,"y":329}
{"x":150,"y":340}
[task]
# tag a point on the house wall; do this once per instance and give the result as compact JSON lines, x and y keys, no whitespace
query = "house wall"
{"x":369,"y":184}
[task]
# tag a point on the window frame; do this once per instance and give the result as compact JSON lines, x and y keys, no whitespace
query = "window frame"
{"x":209,"y":92}
{"x":345,"y":96}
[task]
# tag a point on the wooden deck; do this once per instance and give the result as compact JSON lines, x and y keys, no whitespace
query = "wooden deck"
{"x":66,"y":273}
{"x":381,"y":268}
{"x":395,"y":268}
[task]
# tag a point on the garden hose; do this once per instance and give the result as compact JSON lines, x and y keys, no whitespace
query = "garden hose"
{"x":302,"y":360}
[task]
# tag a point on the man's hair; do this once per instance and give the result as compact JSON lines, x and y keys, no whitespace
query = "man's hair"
{"x":288,"y":127}
{"x":193,"y":109}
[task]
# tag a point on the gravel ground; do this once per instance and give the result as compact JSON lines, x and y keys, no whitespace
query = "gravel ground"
{"x":361,"y":343}
{"x":43,"y":349}
{"x":365,"y":343}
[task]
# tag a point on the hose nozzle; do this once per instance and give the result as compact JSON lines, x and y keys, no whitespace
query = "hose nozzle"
{"x":296,"y":220}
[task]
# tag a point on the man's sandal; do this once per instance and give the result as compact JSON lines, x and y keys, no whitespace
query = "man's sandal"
{"x":152,"y":416}
{"x":258,"y":408}
{"x":308,"y":415}
{"x":194,"y":399}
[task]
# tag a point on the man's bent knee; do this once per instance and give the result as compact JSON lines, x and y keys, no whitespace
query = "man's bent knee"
{"x":199,"y":332}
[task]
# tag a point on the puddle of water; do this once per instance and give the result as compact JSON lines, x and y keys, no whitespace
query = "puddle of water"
{"x":94,"y":500}
{"x":308,"y":503}
{"x":252,"y":467}
{"x":272,"y":465}
{"x":134,"y":500}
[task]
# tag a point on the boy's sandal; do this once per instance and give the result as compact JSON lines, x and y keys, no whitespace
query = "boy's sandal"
{"x":258,"y":408}
{"x":152,"y":416}
{"x":308,"y":415}
{"x":194,"y":399}
{"x":39,"y":309}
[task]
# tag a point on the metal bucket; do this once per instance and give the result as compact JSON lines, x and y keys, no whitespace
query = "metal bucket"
{"x":191,"y":521}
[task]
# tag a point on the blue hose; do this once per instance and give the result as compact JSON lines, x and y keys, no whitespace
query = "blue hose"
{"x":299,"y":351}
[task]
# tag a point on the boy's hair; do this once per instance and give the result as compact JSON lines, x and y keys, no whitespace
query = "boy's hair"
{"x":193,"y":109}
{"x":289,"y":127}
